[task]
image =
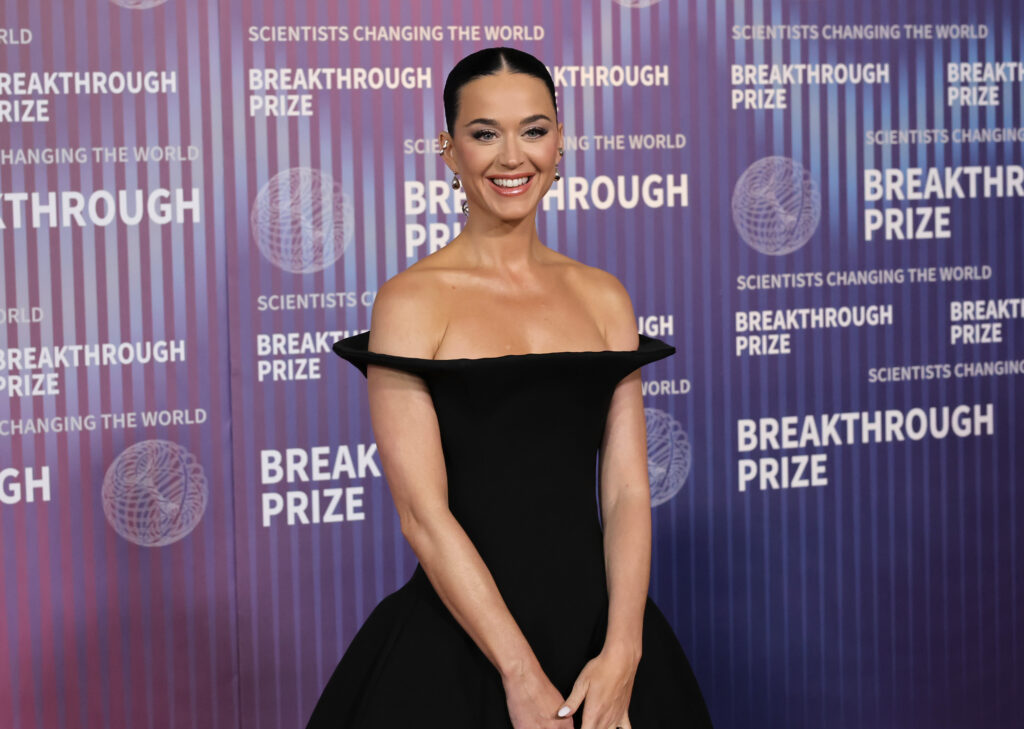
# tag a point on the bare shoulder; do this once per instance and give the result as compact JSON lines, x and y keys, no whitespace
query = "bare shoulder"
{"x":607,"y":297}
{"x":407,"y":319}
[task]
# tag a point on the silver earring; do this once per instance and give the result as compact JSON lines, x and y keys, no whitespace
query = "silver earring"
{"x":465,"y":207}
{"x":558,"y":175}
{"x":456,"y":182}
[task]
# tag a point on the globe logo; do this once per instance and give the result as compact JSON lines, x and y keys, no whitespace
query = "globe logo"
{"x":637,"y":3}
{"x":138,"y":4}
{"x":154,"y":493}
{"x":668,"y":455}
{"x":776,"y":206}
{"x":301,"y":220}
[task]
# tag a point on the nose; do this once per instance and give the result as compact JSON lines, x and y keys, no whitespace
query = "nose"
{"x":510,"y":155}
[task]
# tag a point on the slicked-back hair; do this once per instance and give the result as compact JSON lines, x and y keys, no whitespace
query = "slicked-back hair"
{"x":488,"y":62}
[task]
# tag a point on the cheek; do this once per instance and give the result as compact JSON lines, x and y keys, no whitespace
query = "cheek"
{"x":475,"y":161}
{"x":551,"y":152}
{"x":540,"y":155}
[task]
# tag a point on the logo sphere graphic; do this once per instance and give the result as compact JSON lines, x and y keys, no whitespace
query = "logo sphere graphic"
{"x":776,"y":206}
{"x":138,"y":4}
{"x":668,"y":455}
{"x":301,"y":220}
{"x":154,"y":493}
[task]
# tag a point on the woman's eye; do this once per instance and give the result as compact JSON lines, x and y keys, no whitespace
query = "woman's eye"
{"x":536,"y":132}
{"x":484,"y":134}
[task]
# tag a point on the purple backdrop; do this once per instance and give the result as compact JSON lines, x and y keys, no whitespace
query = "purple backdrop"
{"x":198,"y":198}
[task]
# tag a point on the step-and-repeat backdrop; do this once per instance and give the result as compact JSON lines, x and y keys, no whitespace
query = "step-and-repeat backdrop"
{"x":819,"y":204}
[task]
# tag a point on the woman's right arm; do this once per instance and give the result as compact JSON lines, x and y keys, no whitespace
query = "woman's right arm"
{"x":409,"y":443}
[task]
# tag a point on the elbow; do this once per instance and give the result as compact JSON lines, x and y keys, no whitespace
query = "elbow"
{"x":420,"y":527}
{"x":633,"y":494}
{"x":409,"y":526}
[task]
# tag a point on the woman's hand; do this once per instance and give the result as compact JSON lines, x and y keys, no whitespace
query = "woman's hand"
{"x":533,"y":700}
{"x":606,"y":682}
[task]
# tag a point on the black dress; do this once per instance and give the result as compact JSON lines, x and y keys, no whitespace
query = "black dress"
{"x":520,"y":435}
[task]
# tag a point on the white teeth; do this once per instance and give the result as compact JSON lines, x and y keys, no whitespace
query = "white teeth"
{"x":502,"y":182}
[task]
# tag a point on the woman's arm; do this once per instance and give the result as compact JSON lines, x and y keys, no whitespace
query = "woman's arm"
{"x":626,"y":502}
{"x":607,"y":680}
{"x":409,"y":443}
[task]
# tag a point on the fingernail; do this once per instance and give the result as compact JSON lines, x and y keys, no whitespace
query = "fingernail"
{"x":564,"y":711}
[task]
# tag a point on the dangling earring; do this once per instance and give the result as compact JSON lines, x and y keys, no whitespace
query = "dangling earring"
{"x":465,"y":208}
{"x":558,"y":175}
{"x":456,"y":182}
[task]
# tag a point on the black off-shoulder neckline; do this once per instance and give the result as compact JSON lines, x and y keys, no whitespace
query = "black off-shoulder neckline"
{"x":357,"y":345}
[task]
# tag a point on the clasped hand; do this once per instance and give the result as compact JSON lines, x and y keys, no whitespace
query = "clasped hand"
{"x":606,"y":683}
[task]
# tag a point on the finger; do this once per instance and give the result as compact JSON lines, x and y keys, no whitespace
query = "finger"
{"x":579,"y":690}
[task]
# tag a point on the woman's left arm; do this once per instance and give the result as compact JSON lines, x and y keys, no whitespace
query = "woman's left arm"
{"x":607,"y":680}
{"x":626,"y":515}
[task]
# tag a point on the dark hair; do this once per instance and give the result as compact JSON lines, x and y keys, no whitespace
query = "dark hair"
{"x":487,"y":62}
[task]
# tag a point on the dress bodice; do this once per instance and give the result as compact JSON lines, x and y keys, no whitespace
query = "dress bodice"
{"x":520,"y":435}
{"x":517,"y":410}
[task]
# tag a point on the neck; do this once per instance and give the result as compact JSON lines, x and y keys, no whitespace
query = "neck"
{"x":501,"y":245}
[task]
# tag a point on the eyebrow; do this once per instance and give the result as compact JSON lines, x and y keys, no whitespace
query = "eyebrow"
{"x":494,"y":122}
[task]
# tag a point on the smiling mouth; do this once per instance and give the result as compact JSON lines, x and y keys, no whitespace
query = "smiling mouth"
{"x":511,"y":185}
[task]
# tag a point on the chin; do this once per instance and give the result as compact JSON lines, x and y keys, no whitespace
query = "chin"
{"x":508,"y":214}
{"x":508,"y":210}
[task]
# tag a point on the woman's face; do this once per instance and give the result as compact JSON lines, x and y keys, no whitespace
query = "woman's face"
{"x":505,"y":144}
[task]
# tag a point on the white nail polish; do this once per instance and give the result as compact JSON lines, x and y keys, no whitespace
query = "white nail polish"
{"x":564,"y":711}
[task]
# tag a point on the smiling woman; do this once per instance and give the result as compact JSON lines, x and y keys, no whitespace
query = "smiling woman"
{"x":515,"y":156}
{"x":499,"y":373}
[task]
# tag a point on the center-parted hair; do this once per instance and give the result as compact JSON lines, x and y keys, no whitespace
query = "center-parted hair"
{"x":488,"y":62}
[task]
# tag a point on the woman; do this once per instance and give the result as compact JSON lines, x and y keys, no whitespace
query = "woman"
{"x":497,"y":369}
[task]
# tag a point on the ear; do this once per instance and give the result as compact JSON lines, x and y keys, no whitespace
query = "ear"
{"x":561,"y":139}
{"x":448,"y":151}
